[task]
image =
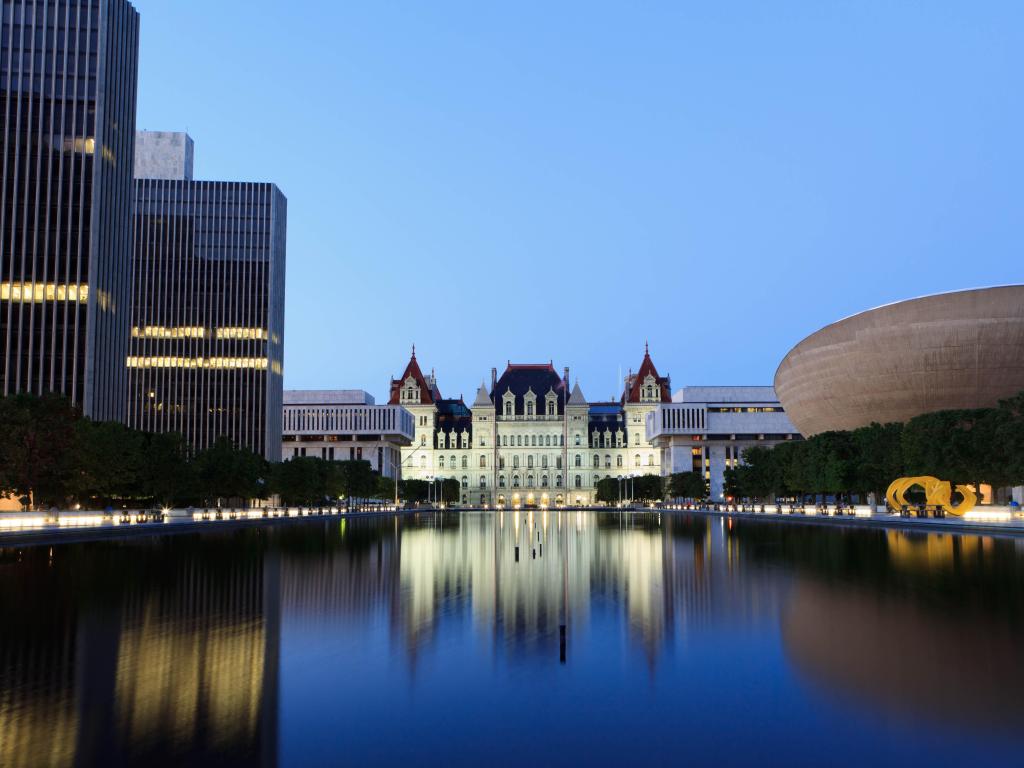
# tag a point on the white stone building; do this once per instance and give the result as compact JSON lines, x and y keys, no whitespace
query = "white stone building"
{"x":706,"y":429}
{"x":529,"y":440}
{"x":344,"y":424}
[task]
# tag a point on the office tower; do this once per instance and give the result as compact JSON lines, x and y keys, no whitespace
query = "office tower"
{"x":67,"y":98}
{"x":207,"y":302}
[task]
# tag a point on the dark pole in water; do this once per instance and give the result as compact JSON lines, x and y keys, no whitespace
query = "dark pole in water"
{"x":561,"y":643}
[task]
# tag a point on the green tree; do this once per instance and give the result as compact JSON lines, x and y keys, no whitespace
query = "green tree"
{"x":109,"y":463}
{"x":648,"y":488}
{"x":302,"y":480}
{"x":36,"y":451}
{"x":226,"y":472}
{"x":167,"y":476}
{"x":356,"y":479}
{"x":413,"y":491}
{"x":687,"y":485}
{"x":1009,"y":439}
{"x":607,"y":490}
{"x":879,"y":457}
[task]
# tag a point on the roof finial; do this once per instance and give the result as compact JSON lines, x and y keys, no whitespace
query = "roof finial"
{"x":646,"y":350}
{"x":414,"y":351}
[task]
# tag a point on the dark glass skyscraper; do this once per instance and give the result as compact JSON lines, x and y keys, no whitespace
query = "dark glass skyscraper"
{"x":68,"y":71}
{"x":207,"y":304}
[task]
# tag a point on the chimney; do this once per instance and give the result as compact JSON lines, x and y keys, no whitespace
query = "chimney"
{"x":567,"y":375}
{"x":494,"y":378}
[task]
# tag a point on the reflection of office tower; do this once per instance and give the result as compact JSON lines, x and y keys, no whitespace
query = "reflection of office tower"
{"x":207,"y":302}
{"x":67,"y":94}
{"x":181,"y":667}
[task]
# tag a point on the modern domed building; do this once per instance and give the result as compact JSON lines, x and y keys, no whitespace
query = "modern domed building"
{"x":963,"y":349}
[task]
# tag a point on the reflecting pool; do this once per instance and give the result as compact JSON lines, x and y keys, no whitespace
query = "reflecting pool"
{"x":438,"y":640}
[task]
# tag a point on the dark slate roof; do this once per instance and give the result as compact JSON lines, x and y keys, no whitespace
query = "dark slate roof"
{"x":605,"y":416}
{"x":520,"y":378}
{"x":453,"y":414}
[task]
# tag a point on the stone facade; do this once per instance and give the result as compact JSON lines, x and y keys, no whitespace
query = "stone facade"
{"x":953,"y":350}
{"x":529,"y":439}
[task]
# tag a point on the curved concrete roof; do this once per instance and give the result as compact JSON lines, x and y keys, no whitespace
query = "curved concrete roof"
{"x":963,"y":349}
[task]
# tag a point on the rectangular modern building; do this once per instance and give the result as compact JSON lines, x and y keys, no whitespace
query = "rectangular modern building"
{"x":68,"y":72}
{"x":345,"y":424}
{"x":207,"y":321}
{"x":706,"y":430}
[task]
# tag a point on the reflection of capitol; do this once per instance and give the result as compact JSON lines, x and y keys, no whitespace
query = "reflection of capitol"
{"x":657,"y":571}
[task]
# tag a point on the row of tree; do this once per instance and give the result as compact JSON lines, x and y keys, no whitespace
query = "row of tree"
{"x":612,"y":490}
{"x":51,"y":456}
{"x":975,"y":446}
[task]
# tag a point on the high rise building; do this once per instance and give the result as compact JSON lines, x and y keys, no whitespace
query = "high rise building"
{"x":68,"y":71}
{"x":207,"y":303}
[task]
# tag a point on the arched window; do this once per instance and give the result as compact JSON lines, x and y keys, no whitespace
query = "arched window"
{"x":577,"y":439}
{"x":440,"y":462}
{"x":561,"y":439}
{"x":597,"y":461}
{"x":529,"y":461}
{"x":618,"y":460}
{"x":650,"y":460}
{"x":519,"y":439}
{"x":465,"y":461}
{"x":465,"y":482}
{"x":501,"y":481}
{"x":547,"y":439}
{"x":504,"y":440}
{"x":529,"y":481}
{"x":544,"y":481}
{"x":515,"y":462}
{"x":423,"y":440}
{"x":529,"y":408}
{"x":636,"y":438}
{"x":515,"y":481}
{"x":636,"y":460}
{"x":607,"y":461}
{"x":558,"y":481}
{"x":551,"y":407}
{"x":483,"y":462}
{"x":579,"y":481}
{"x":544,"y":461}
{"x":533,"y":440}
{"x":501,"y":462}
{"x":452,"y":462}
{"x":483,"y":482}
{"x":558,"y":462}
{"x":579,"y":460}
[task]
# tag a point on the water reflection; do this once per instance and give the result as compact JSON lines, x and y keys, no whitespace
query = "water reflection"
{"x":169,"y":650}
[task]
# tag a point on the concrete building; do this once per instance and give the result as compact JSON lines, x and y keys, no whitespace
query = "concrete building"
{"x":706,"y":430}
{"x":963,"y":349}
{"x":207,"y":309}
{"x":345,"y":424}
{"x":529,"y":439}
{"x":67,"y":93}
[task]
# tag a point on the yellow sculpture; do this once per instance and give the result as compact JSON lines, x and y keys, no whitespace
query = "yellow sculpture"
{"x":937,"y":493}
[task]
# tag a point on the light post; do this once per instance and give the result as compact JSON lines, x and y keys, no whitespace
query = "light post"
{"x":619,"y":478}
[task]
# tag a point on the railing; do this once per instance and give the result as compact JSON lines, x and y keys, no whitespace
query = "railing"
{"x":535,"y":417}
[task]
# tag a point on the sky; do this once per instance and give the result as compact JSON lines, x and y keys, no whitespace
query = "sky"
{"x":564,"y":181}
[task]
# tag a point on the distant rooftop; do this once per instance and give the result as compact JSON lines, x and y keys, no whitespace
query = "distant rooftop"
{"x":163,"y":155}
{"x":725,"y":395}
{"x":327,"y":397}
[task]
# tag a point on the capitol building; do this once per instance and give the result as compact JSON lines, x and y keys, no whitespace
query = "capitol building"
{"x":529,"y":439}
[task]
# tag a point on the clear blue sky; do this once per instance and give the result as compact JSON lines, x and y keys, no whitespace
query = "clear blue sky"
{"x":563,"y":180}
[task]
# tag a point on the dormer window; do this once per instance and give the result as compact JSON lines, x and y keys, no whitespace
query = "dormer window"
{"x":410,"y":392}
{"x":551,"y":403}
{"x":649,"y":390}
{"x":530,"y":403}
{"x":509,"y":401}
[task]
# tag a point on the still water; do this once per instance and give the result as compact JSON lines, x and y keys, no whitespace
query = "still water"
{"x":428,"y":641}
